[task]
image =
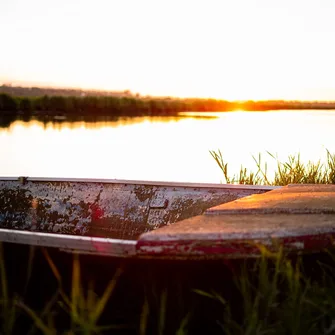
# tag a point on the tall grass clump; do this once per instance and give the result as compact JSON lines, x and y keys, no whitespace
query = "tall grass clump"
{"x":72,"y":309}
{"x":293,"y":171}
{"x":83,"y":306}
{"x":278,"y":296}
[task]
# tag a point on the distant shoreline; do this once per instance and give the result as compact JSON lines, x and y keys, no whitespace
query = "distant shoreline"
{"x":66,"y":102}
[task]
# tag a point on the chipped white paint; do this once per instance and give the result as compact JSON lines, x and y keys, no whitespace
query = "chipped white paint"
{"x":107,"y":208}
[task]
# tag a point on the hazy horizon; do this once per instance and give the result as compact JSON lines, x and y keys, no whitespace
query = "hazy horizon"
{"x":27,"y":85}
{"x":231,"y":50}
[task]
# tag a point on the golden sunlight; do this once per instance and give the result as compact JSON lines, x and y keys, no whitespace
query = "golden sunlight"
{"x":256,"y":58}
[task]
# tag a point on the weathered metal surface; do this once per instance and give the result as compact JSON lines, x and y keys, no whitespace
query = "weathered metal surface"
{"x":299,"y":199}
{"x":74,"y":244}
{"x":106,"y":208}
{"x":301,"y":219}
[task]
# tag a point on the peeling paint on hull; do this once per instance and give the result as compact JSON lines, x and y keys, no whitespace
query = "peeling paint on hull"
{"x":111,"y":209}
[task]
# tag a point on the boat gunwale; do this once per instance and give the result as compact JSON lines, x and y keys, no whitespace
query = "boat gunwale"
{"x":141,"y":182}
{"x":101,"y":246}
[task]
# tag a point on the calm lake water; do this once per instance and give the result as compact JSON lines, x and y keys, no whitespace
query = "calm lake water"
{"x":166,"y":149}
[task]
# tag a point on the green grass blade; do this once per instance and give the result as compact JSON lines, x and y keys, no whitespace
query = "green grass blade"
{"x":144,"y":317}
{"x":105,"y":297}
{"x":38,"y":321}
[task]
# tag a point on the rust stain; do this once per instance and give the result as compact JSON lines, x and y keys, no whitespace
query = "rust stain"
{"x":14,"y":207}
{"x":143,"y":193}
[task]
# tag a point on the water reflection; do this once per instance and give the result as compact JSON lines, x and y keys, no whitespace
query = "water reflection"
{"x":6,"y":120}
{"x":92,"y":122}
{"x":159,"y":148}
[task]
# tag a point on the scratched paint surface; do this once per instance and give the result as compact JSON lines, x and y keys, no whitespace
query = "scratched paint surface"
{"x":293,"y":199}
{"x":115,"y":210}
{"x":299,"y":218}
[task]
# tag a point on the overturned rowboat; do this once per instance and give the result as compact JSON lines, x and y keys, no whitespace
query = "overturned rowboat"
{"x":164,"y":220}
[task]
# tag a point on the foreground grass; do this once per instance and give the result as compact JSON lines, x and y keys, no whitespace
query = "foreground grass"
{"x":275,"y":294}
{"x":279,"y":296}
{"x":293,"y":171}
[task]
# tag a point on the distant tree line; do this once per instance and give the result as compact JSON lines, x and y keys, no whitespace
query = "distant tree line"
{"x":21,"y":91}
{"x":107,"y":106}
{"x":134,"y":106}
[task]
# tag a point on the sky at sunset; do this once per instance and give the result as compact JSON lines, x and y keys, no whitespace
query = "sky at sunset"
{"x":229,"y":49}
